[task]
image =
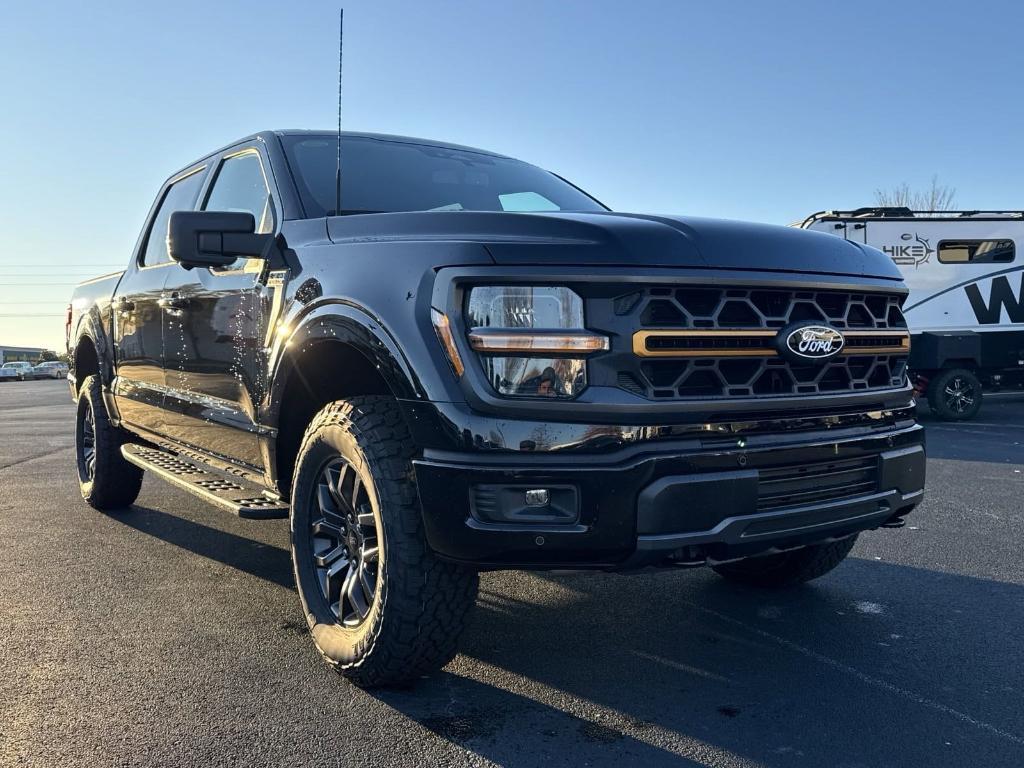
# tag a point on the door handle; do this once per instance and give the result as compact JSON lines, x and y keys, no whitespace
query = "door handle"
{"x":174,"y":301}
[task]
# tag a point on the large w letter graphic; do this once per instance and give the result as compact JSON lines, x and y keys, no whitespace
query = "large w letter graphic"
{"x":1002,"y":296}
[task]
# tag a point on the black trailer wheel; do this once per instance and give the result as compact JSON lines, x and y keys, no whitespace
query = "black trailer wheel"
{"x":381,"y":607}
{"x":955,"y":395}
{"x":788,"y":568}
{"x":106,"y":480}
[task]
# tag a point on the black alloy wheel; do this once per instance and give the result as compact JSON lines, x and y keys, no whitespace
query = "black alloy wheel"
{"x":344,"y":541}
{"x":955,"y":394}
{"x":87,"y":447}
{"x":959,"y":395}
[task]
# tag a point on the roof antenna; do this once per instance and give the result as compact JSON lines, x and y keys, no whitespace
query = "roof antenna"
{"x":337,"y":189}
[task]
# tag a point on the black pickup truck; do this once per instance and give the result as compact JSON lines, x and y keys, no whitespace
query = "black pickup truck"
{"x":469,"y":363}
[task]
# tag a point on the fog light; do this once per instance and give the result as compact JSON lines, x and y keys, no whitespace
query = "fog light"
{"x":524,"y":504}
{"x":538,"y":497}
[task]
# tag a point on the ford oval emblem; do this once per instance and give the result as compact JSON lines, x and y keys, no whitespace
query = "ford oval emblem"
{"x":811,"y":342}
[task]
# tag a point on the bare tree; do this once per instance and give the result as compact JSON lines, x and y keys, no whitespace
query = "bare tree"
{"x":938,"y":197}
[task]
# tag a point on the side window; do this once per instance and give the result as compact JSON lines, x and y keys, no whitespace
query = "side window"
{"x":976,"y":251}
{"x":241,"y":186}
{"x":180,"y":196}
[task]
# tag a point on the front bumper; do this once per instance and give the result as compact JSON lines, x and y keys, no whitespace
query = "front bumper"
{"x":694,"y":501}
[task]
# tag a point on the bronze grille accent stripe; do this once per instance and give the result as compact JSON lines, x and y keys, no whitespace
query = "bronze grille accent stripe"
{"x":759,"y":337}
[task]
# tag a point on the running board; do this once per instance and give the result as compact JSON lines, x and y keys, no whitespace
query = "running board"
{"x":242,"y":498}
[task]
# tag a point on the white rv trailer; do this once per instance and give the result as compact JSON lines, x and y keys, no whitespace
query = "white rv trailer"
{"x":965,"y":271}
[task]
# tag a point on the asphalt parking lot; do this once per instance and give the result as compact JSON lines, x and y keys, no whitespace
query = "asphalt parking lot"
{"x":170,"y":634}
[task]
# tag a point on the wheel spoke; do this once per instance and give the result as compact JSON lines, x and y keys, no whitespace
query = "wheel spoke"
{"x":325,"y":499}
{"x":357,"y":486}
{"x":367,"y":582}
{"x":334,"y":585}
{"x":354,"y":592}
{"x":328,"y":529}
{"x":335,"y":476}
{"x":344,"y":541}
{"x":330,"y":556}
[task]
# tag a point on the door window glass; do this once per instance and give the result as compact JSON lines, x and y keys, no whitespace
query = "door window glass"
{"x":180,"y":196}
{"x":241,"y":187}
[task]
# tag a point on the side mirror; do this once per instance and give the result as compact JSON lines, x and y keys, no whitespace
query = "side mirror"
{"x":213,"y":238}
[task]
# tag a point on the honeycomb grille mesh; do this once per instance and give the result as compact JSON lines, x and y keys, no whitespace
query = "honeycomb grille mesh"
{"x":760,"y":309}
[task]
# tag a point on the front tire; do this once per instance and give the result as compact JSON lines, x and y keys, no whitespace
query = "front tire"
{"x":788,"y":569}
{"x":955,"y":395}
{"x":105,"y":479}
{"x":381,"y":608}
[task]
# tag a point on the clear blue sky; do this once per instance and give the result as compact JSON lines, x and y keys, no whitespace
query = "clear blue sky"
{"x":752,"y":110}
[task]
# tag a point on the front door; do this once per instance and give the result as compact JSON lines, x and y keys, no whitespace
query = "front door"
{"x":140,"y":383}
{"x":213,"y":332}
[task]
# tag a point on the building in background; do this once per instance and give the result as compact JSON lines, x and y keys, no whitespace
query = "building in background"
{"x":30,"y":354}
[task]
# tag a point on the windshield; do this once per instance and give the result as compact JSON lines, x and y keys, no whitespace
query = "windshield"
{"x":380,"y":176}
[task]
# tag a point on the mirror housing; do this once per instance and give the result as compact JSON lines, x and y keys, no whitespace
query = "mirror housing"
{"x":213,"y":238}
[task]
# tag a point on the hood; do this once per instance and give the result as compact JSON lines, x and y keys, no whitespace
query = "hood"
{"x":624,"y":239}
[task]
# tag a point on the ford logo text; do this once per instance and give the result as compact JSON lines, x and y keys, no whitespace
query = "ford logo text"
{"x":814,"y":342}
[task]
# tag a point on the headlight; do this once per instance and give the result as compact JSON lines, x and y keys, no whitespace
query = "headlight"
{"x":531,"y":340}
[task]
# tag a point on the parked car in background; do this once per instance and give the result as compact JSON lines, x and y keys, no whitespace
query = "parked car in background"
{"x":22,"y":369}
{"x":52,"y":369}
{"x":8,"y":374}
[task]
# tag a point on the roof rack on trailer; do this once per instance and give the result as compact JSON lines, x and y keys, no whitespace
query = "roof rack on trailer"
{"x":894,"y":212}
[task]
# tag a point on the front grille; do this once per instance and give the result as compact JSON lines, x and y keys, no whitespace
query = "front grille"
{"x":816,"y":483}
{"x":692,"y":343}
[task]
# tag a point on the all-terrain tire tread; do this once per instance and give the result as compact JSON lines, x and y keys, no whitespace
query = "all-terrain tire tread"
{"x":429,"y":607}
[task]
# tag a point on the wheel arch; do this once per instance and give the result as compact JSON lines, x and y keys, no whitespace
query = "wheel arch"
{"x":337,"y":351}
{"x":90,"y":355}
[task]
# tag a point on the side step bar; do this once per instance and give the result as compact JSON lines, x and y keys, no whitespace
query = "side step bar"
{"x":230,"y":493}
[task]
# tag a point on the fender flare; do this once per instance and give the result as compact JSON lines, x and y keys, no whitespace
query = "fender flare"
{"x":90,"y":327}
{"x":342,"y":322}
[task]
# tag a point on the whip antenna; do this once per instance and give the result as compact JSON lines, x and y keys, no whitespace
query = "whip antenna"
{"x":337,"y":188}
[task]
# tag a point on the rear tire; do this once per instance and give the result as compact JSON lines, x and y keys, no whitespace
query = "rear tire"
{"x":381,"y":608}
{"x":955,"y":395}
{"x":788,"y":568}
{"x":105,"y":479}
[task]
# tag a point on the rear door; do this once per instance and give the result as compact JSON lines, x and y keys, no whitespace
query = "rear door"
{"x":212,"y":327}
{"x":140,"y":384}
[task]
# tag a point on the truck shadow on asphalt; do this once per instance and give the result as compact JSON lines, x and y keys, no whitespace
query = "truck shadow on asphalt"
{"x":687,"y":659}
{"x":264,"y":561}
{"x":646,"y":667}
